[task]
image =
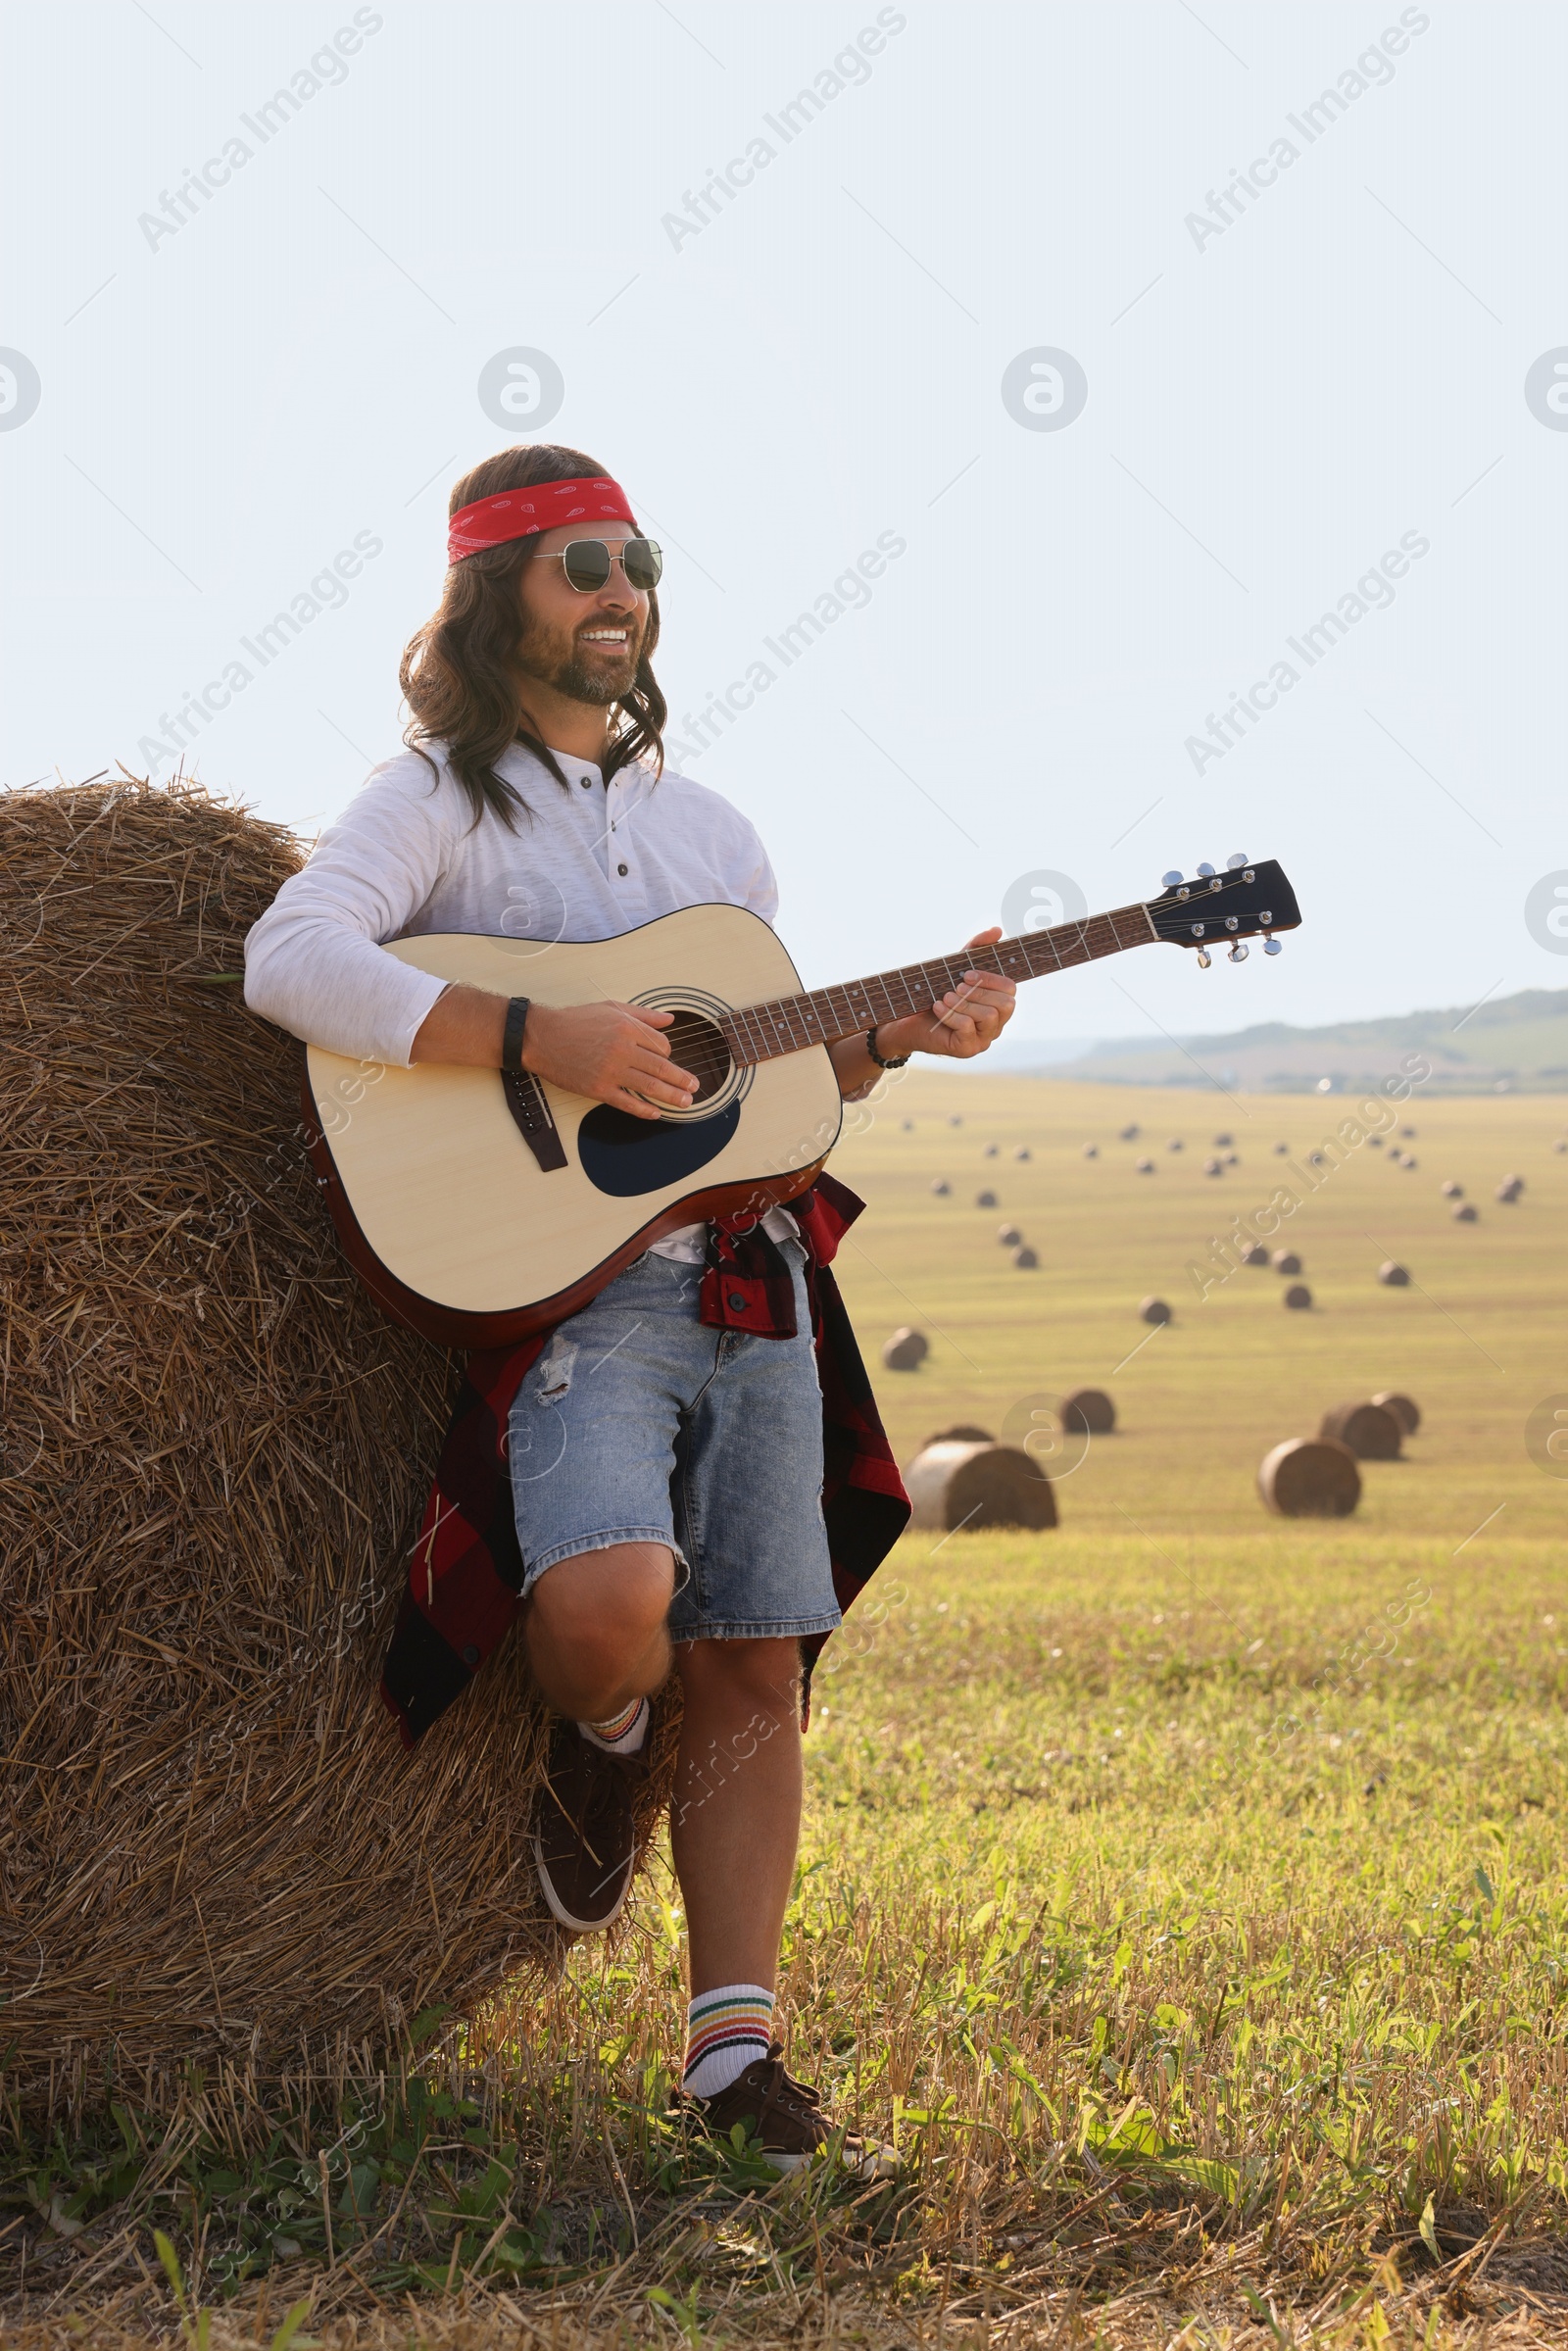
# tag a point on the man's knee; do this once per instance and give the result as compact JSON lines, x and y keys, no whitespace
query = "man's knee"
{"x":743,"y":1676}
{"x":603,"y":1608}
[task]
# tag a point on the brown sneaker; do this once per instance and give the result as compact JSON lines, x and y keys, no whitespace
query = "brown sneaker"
{"x":584,"y":1843}
{"x":787,"y":2117}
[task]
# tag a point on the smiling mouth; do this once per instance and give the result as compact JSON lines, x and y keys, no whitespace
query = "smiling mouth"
{"x":614,"y":640}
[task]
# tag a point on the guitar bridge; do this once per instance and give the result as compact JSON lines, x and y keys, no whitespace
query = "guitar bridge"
{"x":525,"y":1100}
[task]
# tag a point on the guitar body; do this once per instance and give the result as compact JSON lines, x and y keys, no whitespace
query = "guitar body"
{"x":440,"y":1194}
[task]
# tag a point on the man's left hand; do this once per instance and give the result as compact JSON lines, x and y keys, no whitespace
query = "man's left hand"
{"x":960,"y":1024}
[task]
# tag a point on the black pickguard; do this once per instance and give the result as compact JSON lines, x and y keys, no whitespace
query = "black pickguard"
{"x":624,"y":1155}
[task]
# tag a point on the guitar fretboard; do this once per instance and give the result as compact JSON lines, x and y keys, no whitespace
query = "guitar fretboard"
{"x":790,"y":1023}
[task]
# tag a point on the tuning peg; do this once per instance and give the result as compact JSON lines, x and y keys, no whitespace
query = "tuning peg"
{"x":1271,"y":947}
{"x":1205,"y":958}
{"x":1206,"y":870}
{"x":1238,"y":953}
{"x":1168,"y":881}
{"x":1234,"y":864}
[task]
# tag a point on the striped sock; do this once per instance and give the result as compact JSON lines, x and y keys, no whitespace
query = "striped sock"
{"x":726,"y":2029}
{"x":623,"y":1733}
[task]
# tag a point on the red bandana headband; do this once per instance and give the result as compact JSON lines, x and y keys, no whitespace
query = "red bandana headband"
{"x":542,"y":506}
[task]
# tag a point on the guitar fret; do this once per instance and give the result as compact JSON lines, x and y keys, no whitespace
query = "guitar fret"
{"x":790,"y":1023}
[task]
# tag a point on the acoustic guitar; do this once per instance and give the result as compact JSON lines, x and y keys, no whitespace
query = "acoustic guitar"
{"x":480,"y":1207}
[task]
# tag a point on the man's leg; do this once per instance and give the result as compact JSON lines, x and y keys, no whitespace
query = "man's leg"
{"x":594,"y":1628}
{"x":736,"y":1817}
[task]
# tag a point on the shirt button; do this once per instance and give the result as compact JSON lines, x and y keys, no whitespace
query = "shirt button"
{"x":622,"y":869}
{"x":587,"y":783}
{"x":737,"y":1301}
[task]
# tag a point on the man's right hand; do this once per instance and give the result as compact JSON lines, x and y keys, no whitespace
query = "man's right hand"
{"x":612,"y":1052}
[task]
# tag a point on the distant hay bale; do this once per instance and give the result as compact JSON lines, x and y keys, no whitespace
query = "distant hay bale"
{"x":1175,"y":1144}
{"x":1023,"y":1151}
{"x":1451,"y":1190}
{"x":1025,"y":1258}
{"x":1297,"y":1297}
{"x":993,"y":1151}
{"x":1130,"y":1133}
{"x":1213,"y":1167}
{"x":941,"y":1187}
{"x":1222,"y":1142}
{"x":1509,"y":1188}
{"x":1009,"y":1235}
{"x":953,"y":1483}
{"x":985,"y":1199}
{"x":1088,"y":1413}
{"x":1467,"y":1213}
{"x":906,"y":1351}
{"x":1404,"y":1408}
{"x":1371,"y":1432}
{"x":1394,"y":1276}
{"x":1153,"y":1310}
{"x":1258,"y":1255}
{"x":1303,"y":1478}
{"x":214,"y":1453}
{"x":1286,"y":1260}
{"x":1144,"y":1166}
{"x":1091,"y":1150}
{"x":1282,"y":1151}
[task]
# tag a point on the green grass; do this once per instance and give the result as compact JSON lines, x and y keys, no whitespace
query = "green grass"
{"x":1181,"y":1889}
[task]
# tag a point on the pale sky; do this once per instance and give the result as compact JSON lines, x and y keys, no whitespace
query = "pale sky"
{"x":980,"y":295}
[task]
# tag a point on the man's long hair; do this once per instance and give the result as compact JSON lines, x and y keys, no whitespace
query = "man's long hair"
{"x":459,"y":673}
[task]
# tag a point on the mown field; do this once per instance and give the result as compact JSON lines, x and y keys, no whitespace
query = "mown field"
{"x":1182,"y":1889}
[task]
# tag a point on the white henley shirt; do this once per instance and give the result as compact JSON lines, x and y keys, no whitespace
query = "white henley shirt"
{"x":406,"y":855}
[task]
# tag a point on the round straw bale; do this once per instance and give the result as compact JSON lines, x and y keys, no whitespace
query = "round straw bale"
{"x":993,"y":1151}
{"x":1144,"y":1166}
{"x":1175,"y":1144}
{"x":954,"y":1119}
{"x":1009,"y":1235}
{"x":1510,"y":1188}
{"x":1408,"y":1133}
{"x":1091,"y":1150}
{"x":1409,"y":1162}
{"x":906,"y":1351}
{"x":1258,"y":1255}
{"x":1286,"y":1260}
{"x":1130,"y":1133}
{"x":1404,"y":1408}
{"x":985,"y":1199}
{"x":1025,"y":1258}
{"x":1467,"y":1213}
{"x":1303,"y":1478}
{"x":1561,"y":1144}
{"x":1451,"y":1190}
{"x":978,"y":1486}
{"x":1282,"y":1151}
{"x":214,"y":1454}
{"x":1371,"y":1431}
{"x":1088,"y":1411}
{"x":1213,"y":1167}
{"x":1298,"y":1298}
{"x":941,"y":1187}
{"x":1153,"y":1310}
{"x":907,"y":1126}
{"x":1393,"y":1276}
{"x":964,"y":1433}
{"x":1023,"y":1151}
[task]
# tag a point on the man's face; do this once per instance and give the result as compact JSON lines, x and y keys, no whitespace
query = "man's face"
{"x":583,"y":645}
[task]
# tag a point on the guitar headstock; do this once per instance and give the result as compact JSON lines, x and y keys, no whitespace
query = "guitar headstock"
{"x":1208,"y":909}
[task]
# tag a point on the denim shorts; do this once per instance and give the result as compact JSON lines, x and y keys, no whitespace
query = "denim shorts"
{"x":641,"y":1424}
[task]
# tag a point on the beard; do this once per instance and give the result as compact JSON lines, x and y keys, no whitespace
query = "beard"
{"x":597,"y":677}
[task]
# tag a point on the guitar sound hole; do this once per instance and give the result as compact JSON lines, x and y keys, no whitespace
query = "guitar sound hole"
{"x":697,"y":1046}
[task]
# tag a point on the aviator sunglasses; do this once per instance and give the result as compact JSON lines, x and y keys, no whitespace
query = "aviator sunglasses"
{"x":588,"y":562}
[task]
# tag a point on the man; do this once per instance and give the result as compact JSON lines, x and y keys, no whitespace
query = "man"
{"x":651,"y":1529}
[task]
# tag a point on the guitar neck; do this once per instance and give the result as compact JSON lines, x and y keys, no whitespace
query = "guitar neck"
{"x":790,"y":1023}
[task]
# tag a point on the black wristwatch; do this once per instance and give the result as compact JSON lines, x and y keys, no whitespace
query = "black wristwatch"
{"x":511,"y":1035}
{"x":870,"y":1046}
